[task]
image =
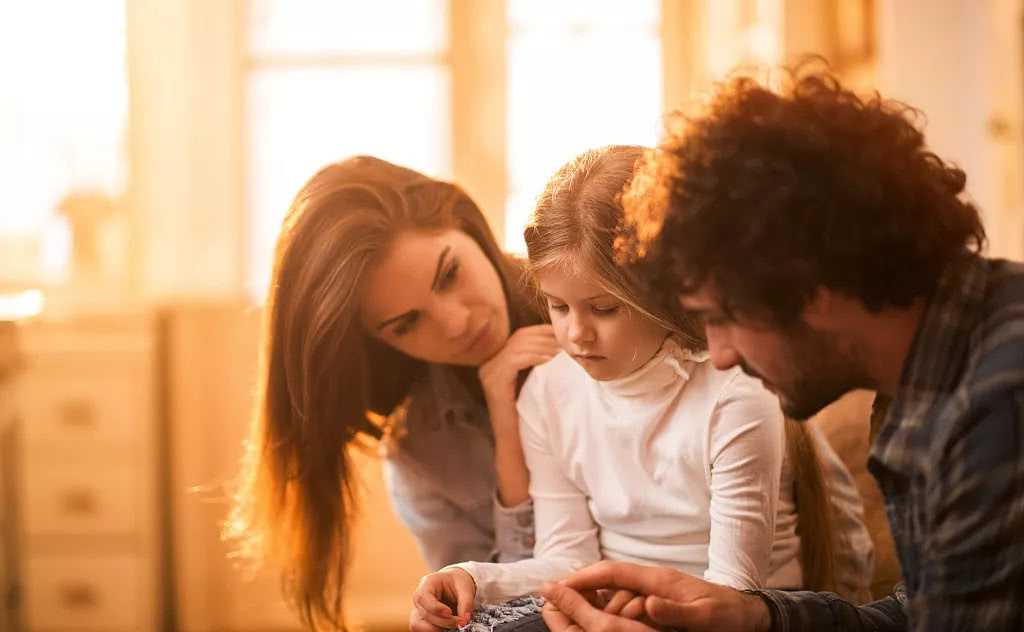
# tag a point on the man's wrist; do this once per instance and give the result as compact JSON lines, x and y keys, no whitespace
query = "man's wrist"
{"x":761,"y":613}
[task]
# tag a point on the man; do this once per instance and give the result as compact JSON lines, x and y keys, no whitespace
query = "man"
{"x":827,"y":250}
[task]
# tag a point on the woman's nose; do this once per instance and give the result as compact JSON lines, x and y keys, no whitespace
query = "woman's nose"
{"x":454,"y":317}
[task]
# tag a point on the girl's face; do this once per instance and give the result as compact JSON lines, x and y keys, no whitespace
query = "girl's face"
{"x":437,"y":297}
{"x":606,"y":337}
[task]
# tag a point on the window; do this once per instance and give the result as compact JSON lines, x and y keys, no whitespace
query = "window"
{"x":62,"y":128}
{"x":328,"y":79}
{"x":581,"y":74}
{"x":334,"y":78}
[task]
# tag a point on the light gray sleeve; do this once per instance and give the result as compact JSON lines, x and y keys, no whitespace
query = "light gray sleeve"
{"x":446,"y":533}
{"x":513,"y":531}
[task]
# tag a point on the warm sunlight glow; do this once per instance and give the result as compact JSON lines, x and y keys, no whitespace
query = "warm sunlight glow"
{"x":62,"y":121}
{"x":333,"y":79}
{"x":580,"y":74}
{"x":21,"y":305}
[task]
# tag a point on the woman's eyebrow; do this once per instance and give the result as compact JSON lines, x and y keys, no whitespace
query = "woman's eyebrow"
{"x":440,"y":264}
{"x":433,"y":286}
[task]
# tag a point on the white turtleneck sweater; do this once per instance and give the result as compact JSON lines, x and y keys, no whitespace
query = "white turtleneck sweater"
{"x":677,"y":464}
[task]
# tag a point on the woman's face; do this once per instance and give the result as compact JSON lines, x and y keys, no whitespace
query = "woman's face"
{"x":437,"y":297}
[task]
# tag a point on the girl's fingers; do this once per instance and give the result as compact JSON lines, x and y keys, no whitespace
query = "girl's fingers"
{"x":597,"y":598}
{"x":426,"y":599}
{"x":634,"y":609}
{"x":443,"y":622}
{"x":417,"y":623}
{"x":618,"y":601}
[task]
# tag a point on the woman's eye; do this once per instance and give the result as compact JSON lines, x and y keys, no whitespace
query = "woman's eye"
{"x":450,"y":275}
{"x":605,"y":311}
{"x":406,"y":325}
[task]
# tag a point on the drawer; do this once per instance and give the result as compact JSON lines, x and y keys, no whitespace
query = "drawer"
{"x":82,"y":406}
{"x":79,"y":500}
{"x":80,"y":592}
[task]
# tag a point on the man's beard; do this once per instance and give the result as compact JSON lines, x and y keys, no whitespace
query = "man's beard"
{"x":820,"y":372}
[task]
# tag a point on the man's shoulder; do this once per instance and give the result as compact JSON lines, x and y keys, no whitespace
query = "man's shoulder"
{"x":997,"y":360}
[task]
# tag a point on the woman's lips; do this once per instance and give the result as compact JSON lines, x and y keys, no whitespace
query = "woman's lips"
{"x":480,"y":338}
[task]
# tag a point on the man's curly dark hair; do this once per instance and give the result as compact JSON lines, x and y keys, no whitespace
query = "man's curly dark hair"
{"x":769,"y":195}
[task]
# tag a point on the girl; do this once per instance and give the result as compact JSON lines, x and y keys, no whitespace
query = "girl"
{"x":392,"y":316}
{"x":637,"y":448}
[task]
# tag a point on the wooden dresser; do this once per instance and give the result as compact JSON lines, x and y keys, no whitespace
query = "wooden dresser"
{"x":9,"y":610}
{"x":88,"y":481}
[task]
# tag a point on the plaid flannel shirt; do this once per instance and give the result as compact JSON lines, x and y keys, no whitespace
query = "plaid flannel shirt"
{"x":949,"y":458}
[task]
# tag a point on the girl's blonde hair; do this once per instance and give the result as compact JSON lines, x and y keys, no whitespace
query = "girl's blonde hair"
{"x":574,"y":228}
{"x":574,"y":225}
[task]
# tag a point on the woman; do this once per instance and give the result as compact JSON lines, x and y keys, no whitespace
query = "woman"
{"x":392,"y":315}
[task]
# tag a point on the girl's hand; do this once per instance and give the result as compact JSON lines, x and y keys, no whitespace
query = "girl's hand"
{"x":443,"y":599}
{"x":526,"y":347}
{"x":623,"y":603}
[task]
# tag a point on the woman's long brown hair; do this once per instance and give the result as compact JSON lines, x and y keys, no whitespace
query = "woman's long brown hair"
{"x":574,"y":226}
{"x":321,"y":380}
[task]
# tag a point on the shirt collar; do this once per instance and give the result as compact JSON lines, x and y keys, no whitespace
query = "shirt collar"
{"x":938,"y":355}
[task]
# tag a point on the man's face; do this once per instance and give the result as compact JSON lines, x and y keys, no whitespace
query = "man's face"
{"x":807,"y":368}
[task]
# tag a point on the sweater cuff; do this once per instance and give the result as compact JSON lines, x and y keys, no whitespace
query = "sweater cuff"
{"x":513,"y":531}
{"x":774,"y":608}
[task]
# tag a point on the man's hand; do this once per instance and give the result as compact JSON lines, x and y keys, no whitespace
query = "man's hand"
{"x":674,"y":600}
{"x":569,"y":611}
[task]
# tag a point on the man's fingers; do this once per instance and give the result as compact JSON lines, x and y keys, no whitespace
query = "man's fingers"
{"x":557,"y":621}
{"x":594,"y":598}
{"x":669,"y":613}
{"x":645,"y":580}
{"x":578,"y":609}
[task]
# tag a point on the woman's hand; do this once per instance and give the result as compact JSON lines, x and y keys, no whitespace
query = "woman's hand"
{"x":443,"y":600}
{"x":526,"y":347}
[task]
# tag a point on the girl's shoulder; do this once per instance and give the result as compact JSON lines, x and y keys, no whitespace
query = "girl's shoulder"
{"x":559,"y":371}
{"x":559,"y":379}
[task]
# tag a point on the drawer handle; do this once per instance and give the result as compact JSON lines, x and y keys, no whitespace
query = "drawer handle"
{"x":78,"y":595}
{"x":77,"y":413}
{"x":80,"y":501}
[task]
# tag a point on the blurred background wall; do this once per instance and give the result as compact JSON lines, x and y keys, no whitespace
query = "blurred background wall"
{"x":149,"y":149}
